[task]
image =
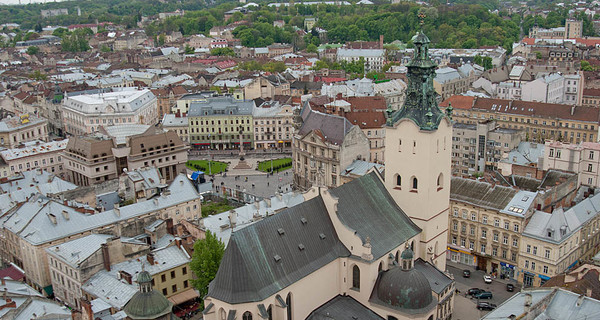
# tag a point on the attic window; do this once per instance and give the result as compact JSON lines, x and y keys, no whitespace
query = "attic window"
{"x":303,"y":220}
{"x":280,"y":231}
{"x":322,"y":236}
{"x":277,"y":258}
{"x":301,"y":247}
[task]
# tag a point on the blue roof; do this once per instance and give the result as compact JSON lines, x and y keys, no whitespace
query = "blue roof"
{"x":196,"y":174}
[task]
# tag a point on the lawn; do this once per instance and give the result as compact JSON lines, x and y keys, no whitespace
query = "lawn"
{"x":209,"y":208}
{"x":216,"y":167}
{"x":278,"y":165}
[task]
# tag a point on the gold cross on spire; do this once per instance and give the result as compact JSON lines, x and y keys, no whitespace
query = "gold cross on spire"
{"x":421,"y":16}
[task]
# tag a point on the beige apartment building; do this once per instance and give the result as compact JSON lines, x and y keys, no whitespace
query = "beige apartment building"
{"x":41,"y":223}
{"x":479,"y":147}
{"x":486,"y":225}
{"x":553,"y":243}
{"x":540,"y":121}
{"x":36,"y":155}
{"x":273,"y":125}
{"x":324,"y":146}
{"x":17,"y":130}
{"x":102,"y":156}
{"x":267,"y":87}
{"x":166,"y":98}
{"x":582,"y":159}
{"x":177,"y":124}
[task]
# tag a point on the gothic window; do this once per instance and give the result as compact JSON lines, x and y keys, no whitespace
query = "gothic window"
{"x":398,"y":180}
{"x":415,"y":183}
{"x":355,"y":277}
{"x":440,"y":181}
{"x":288,"y":301}
{"x":247,"y":316}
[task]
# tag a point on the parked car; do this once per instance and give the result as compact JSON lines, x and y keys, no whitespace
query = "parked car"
{"x":486,"y":306}
{"x":483,"y":295}
{"x":474,"y":291}
{"x":466,"y":273}
{"x":487,"y":279}
{"x":510,"y":287}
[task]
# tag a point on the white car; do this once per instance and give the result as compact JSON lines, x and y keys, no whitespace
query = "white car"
{"x":487,"y":279}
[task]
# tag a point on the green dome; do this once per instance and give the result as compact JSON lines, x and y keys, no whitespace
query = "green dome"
{"x":407,"y":254}
{"x":144,"y":276}
{"x":148,"y":305}
{"x":404,"y":289}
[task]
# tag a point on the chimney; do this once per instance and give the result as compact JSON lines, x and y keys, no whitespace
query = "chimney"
{"x":232,"y":218}
{"x":527,"y":302}
{"x":3,"y":281}
{"x":86,"y":307}
{"x":125,"y":276}
{"x":65,"y":214}
{"x":572,"y":110}
{"x":150,"y":258}
{"x":380,"y":41}
{"x":588,"y":292}
{"x":105,"y":257}
{"x":52,"y":218}
{"x":116,"y":210}
{"x":580,"y":300}
{"x":170,"y":228}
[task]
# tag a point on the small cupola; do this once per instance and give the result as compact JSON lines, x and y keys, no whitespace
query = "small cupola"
{"x":407,"y":259}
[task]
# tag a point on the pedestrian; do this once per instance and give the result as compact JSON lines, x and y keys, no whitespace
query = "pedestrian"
{"x":267,"y":183}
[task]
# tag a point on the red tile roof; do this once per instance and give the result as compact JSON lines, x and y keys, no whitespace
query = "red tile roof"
{"x":459,"y":102}
{"x":367,"y":103}
{"x":591,"y":92}
{"x":366,"y":119}
{"x":12,"y":272}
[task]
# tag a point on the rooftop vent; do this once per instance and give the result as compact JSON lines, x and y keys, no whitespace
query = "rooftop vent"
{"x":277,"y":258}
{"x":322,"y":236}
{"x":303,"y":220}
{"x":280,"y":231}
{"x":301,"y":247}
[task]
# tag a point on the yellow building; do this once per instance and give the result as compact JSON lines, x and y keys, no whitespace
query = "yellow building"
{"x":218,"y":123}
{"x":553,"y":243}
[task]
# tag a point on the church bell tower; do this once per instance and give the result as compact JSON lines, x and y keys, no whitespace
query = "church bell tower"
{"x":418,"y":147}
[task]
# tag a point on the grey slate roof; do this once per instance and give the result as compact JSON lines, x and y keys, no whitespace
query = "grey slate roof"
{"x":343,"y":307}
{"x":437,"y":279}
{"x":214,"y":106}
{"x":334,"y":128}
{"x":259,"y":261}
{"x":365,"y":206}
{"x":249,"y":271}
{"x":480,"y":193}
{"x":76,"y":251}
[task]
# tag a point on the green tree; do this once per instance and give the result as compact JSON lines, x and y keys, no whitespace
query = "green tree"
{"x":538,"y":55}
{"x":33,"y":50}
{"x":38,"y":75}
{"x":189,"y":50}
{"x":105,"y":48}
{"x":311,"y":48}
{"x":222,"y":52}
{"x":161,"y":39}
{"x":206,"y":259}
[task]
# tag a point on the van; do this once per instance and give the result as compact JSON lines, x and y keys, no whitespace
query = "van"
{"x":483,"y":295}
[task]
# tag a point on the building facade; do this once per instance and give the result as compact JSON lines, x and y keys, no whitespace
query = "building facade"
{"x":86,"y":113}
{"x":36,"y":155}
{"x":221,"y":123}
{"x":582,"y":159}
{"x":17,"y":130}
{"x":273,"y":126}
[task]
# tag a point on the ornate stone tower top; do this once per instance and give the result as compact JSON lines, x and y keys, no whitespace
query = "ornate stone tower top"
{"x":420,"y":105}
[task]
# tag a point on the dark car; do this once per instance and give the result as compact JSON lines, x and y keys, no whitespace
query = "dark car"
{"x":483,"y":295}
{"x":486,"y":306}
{"x":510,"y":287}
{"x":466,"y":273}
{"x":474,"y":291}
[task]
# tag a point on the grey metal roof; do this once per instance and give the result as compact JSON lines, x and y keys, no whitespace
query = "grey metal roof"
{"x":366,"y":206}
{"x":561,"y":305}
{"x":481,"y":193}
{"x":333,"y":127}
{"x":33,"y":222}
{"x":569,"y":220}
{"x":343,"y":307}
{"x":249,"y":270}
{"x":76,"y":251}
{"x":437,"y":279}
{"x":361,"y":167}
{"x":220,"y":106}
{"x":267,"y":256}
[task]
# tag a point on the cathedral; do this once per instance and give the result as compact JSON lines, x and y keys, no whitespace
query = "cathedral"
{"x":373,"y":248}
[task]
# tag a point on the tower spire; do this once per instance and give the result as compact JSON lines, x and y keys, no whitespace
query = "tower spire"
{"x":420,"y":105}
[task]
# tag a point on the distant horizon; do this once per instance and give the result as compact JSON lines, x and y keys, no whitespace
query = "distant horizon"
{"x":24,"y":2}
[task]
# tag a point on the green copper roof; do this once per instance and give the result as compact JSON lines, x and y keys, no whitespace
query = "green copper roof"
{"x":148,"y":305}
{"x":420,"y":105}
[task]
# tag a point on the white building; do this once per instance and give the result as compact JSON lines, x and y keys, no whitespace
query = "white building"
{"x":583,"y":159}
{"x":86,"y":113}
{"x":374,"y":58}
{"x":547,"y":88}
{"x":36,"y":155}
